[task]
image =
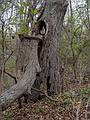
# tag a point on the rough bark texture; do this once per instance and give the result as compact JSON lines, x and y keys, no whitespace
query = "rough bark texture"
{"x":49,"y":56}
{"x":27,"y":65}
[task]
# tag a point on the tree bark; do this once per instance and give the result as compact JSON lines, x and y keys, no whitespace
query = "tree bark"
{"x":27,"y":61}
{"x":49,"y":58}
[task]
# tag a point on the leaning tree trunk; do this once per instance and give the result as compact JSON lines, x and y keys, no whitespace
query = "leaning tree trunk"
{"x":28,"y":67}
{"x":49,"y":58}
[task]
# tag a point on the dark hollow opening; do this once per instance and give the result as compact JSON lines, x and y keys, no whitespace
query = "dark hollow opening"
{"x":40,"y":44}
{"x":48,"y":85}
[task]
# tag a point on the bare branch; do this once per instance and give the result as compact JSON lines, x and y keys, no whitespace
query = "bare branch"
{"x":41,"y":14}
{"x":10,"y":76}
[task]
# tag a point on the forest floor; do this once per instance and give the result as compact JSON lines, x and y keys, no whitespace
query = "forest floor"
{"x":72,"y":105}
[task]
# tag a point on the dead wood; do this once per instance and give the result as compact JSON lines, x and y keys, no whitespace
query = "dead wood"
{"x":27,"y":55}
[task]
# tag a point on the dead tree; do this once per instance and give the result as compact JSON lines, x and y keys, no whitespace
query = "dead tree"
{"x":28,"y":66}
{"x":39,"y":61}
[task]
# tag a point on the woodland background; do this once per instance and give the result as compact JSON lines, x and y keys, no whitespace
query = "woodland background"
{"x":74,"y":100}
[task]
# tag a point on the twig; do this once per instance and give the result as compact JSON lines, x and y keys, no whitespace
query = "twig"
{"x":8,"y":57}
{"x":45,"y":93}
{"x":10,"y":76}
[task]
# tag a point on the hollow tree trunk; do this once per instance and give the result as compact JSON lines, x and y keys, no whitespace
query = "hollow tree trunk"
{"x":49,"y":58}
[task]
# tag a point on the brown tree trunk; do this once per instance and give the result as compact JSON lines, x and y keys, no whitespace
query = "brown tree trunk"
{"x":49,"y":58}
